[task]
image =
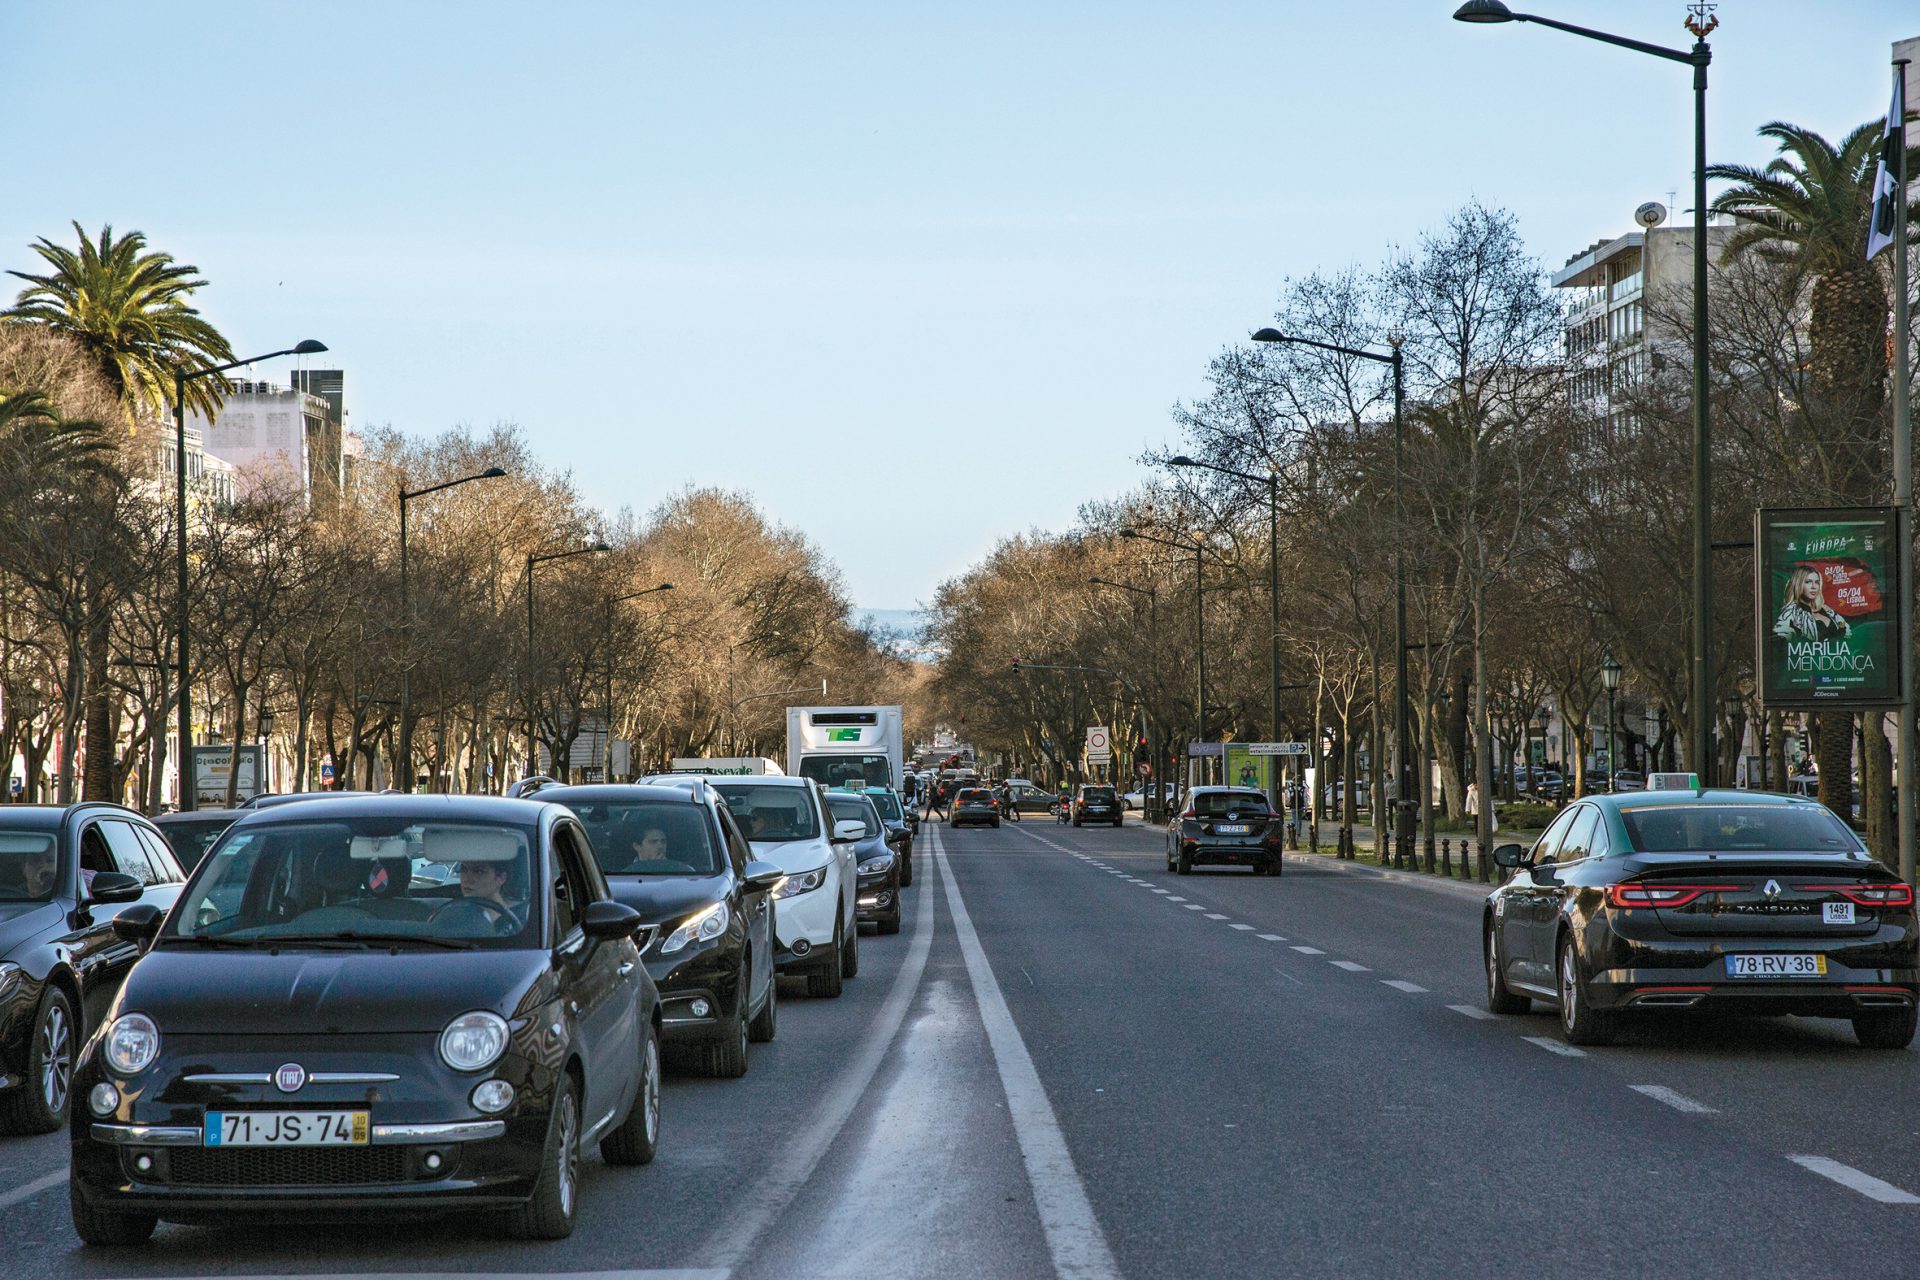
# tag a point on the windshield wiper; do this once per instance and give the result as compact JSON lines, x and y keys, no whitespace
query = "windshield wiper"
{"x":212,"y":940}
{"x":350,"y":938}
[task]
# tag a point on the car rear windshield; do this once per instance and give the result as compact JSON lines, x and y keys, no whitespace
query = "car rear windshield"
{"x":770,"y":813}
{"x":649,"y":837}
{"x":27,"y":866}
{"x":973,"y":795}
{"x":847,"y":808}
{"x":1703,"y":828}
{"x":887,"y":803}
{"x":1218,"y":804}
{"x":1097,"y":793}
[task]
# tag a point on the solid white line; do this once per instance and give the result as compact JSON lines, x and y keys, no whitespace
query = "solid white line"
{"x":1074,"y":1238}
{"x":1351,"y":966}
{"x":1555,"y":1046}
{"x":670,"y":1273}
{"x":1215,"y":915}
{"x":1678,"y":1101}
{"x":1401,"y":984}
{"x":761,"y":1202}
{"x":45,"y":1182}
{"x":1310,"y":951}
{"x":1271,"y":937}
{"x":1245,"y":928}
{"x":1472,"y":1012}
{"x":1865,"y":1183}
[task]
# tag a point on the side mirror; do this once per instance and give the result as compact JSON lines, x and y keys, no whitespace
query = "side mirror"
{"x":1542,"y":873}
{"x":1508,"y":855}
{"x":762,"y":876}
{"x":610,"y":920}
{"x":138,"y":925}
{"x":115,"y":886}
{"x":849,"y":830}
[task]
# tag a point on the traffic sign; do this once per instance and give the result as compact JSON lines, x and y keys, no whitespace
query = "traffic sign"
{"x":326,"y":769}
{"x":1099,"y":745}
{"x":1143,"y":770}
{"x":1276,"y":748}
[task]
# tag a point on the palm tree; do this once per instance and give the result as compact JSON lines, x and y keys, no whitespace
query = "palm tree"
{"x":39,"y":449}
{"x":128,"y":307}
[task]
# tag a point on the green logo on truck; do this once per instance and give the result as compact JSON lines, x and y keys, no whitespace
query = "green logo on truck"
{"x":843,"y":735}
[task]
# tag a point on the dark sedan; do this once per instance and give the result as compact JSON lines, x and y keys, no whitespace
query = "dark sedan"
{"x":878,"y":900}
{"x":65,"y":873}
{"x":901,"y":823}
{"x":1226,"y":826}
{"x":1096,"y":803}
{"x":974,"y":805}
{"x":338,"y":1040}
{"x":1731,"y":901}
{"x":675,"y":855}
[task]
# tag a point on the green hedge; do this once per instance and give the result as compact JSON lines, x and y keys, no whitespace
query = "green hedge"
{"x":1526,"y":817}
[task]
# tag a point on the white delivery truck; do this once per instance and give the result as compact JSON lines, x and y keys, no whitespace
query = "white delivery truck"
{"x":840,"y":745}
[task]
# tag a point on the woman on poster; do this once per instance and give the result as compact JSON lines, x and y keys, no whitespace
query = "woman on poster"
{"x":1804,"y":611}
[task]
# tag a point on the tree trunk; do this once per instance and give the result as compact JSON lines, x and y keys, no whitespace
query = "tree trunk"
{"x":98,"y":782}
{"x":1876,"y":788}
{"x":1833,"y":756}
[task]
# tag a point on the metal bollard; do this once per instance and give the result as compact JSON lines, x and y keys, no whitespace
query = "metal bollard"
{"x":1446,"y":856}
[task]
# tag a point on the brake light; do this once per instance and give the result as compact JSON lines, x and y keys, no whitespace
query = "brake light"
{"x":1660,"y":895}
{"x":1869,"y":895}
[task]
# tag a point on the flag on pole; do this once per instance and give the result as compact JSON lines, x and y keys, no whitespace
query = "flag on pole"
{"x":1885,"y":185}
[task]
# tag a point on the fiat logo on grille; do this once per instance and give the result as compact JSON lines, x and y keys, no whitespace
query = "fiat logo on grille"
{"x":290,"y":1077}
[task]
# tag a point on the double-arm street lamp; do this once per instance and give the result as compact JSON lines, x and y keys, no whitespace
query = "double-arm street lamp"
{"x":607,"y":774}
{"x":1199,"y":548}
{"x":1404,"y":784}
{"x":533,"y":731}
{"x":406,"y":618}
{"x":181,"y":377}
{"x":1700,"y":693}
{"x":1152,"y":781}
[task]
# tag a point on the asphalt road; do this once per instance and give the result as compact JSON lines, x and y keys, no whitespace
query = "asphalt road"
{"x":1071,"y":1062}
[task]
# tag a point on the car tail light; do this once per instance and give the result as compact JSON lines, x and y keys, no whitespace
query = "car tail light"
{"x":1660,"y":895}
{"x":1869,"y":895}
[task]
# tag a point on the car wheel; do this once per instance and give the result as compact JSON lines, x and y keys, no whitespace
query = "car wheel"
{"x":549,"y":1214}
{"x":1184,"y":864}
{"x":996,"y":824}
{"x":826,"y":981}
{"x":726,"y":1058}
{"x":891,"y":924}
{"x":101,"y":1227}
{"x":41,"y":1105}
{"x":1499,"y":998}
{"x":850,"y":954}
{"x":1580,"y":1022}
{"x":764,"y":1023}
{"x":906,"y":869}
{"x":637,"y":1140}
{"x":1885,"y":1029}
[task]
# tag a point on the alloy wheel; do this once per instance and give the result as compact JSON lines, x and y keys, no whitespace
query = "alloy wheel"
{"x":650,"y":1089}
{"x":569,"y":1153}
{"x":1569,"y":989}
{"x":56,"y":1058}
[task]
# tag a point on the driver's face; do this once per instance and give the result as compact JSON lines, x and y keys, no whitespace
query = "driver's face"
{"x":483,"y":880}
{"x":653,"y":844}
{"x":38,"y":870}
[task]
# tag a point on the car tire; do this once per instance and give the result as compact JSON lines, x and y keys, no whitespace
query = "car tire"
{"x":1183,"y":865}
{"x":1580,"y":1022}
{"x":41,"y":1106}
{"x":891,"y":924}
{"x":1885,"y":1029}
{"x":637,"y":1140}
{"x":549,"y":1214}
{"x":767,"y":1021}
{"x":906,"y":869}
{"x":1499,"y":999}
{"x":826,"y":981}
{"x":101,"y":1227}
{"x":996,"y":824}
{"x":850,"y":953}
{"x":726,"y":1058}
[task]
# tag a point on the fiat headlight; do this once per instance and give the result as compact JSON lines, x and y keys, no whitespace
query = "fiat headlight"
{"x":705,"y":927}
{"x":133,"y":1042}
{"x":805,"y":882}
{"x":473,"y":1041}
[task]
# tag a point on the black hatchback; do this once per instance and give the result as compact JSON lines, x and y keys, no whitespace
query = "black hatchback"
{"x":1226,"y":826}
{"x":325,"y":1026}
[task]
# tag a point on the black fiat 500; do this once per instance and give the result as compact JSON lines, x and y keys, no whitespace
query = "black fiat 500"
{"x":1733,"y":901}
{"x":1226,"y":826}
{"x":675,"y":855}
{"x":316,"y":1031}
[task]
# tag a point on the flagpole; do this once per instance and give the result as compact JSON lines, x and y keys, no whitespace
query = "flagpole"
{"x":1903,"y":474}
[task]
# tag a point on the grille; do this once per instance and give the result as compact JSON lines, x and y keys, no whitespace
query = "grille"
{"x":286,"y":1166}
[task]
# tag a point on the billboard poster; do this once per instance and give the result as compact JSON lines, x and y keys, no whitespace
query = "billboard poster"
{"x":1245,"y":769}
{"x":1826,"y":593}
{"x":212,"y":763}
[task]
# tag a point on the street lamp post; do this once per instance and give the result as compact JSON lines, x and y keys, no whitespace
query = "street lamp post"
{"x":1198,"y":546}
{"x":1403,"y":788}
{"x":1152,"y":782}
{"x":181,"y":377}
{"x":1700,"y":693}
{"x":533,"y":732}
{"x":406,"y":619}
{"x":607,"y":772}
{"x":1610,"y":677}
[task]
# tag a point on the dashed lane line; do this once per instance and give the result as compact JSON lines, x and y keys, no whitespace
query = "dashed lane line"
{"x":1472,"y":1011}
{"x":1351,"y":966}
{"x":1401,"y":984}
{"x":1309,"y":951}
{"x":1678,"y":1101}
{"x":1194,"y":906}
{"x":1215,"y":915}
{"x":1271,"y":937}
{"x":1244,"y":928}
{"x":1560,"y":1047}
{"x":1854,"y":1180}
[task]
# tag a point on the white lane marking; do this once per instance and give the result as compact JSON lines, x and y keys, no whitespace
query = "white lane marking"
{"x":1244,"y":928}
{"x":763,"y":1201}
{"x":669,"y":1273}
{"x":1175,"y":898}
{"x":1074,"y":1238}
{"x":1401,"y":984}
{"x":1678,"y":1101}
{"x":1215,"y":915}
{"x":1310,"y":951}
{"x":1854,"y":1180}
{"x":45,"y":1182}
{"x":1560,"y":1047}
{"x":1472,"y":1012}
{"x":1167,"y":892}
{"x":1194,"y":906}
{"x":1271,"y":937}
{"x":1351,"y":966}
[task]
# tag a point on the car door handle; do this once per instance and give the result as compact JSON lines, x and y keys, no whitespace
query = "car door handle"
{"x":626,"y":968}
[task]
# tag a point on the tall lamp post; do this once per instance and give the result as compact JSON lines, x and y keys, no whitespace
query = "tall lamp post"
{"x":1199,"y":548}
{"x":181,"y":377}
{"x":406,"y":618}
{"x":1272,"y":481}
{"x":1152,"y":783}
{"x":1700,"y":693}
{"x":607,"y":773}
{"x":1610,"y":677}
{"x":1403,"y":785}
{"x":533,"y":731}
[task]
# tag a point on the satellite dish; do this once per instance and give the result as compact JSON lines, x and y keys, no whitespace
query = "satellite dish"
{"x":1650,"y":214}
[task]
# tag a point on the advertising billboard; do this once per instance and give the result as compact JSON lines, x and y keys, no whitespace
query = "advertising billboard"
{"x":211,"y":765}
{"x":1245,"y":768}
{"x":1826,"y":592}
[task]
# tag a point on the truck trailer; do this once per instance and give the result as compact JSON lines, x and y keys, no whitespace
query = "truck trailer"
{"x":837,"y":746}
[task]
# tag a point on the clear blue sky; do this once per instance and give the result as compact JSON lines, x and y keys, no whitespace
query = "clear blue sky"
{"x":917,"y":276}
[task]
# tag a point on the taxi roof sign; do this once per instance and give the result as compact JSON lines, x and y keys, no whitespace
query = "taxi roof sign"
{"x":1673,"y":782}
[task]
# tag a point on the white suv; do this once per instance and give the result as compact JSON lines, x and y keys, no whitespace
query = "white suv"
{"x":814,"y":920}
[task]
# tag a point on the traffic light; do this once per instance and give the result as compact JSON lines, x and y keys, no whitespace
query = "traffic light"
{"x":1016,"y":666}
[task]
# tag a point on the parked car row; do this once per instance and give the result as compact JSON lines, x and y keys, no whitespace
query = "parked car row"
{"x":358,"y":1005}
